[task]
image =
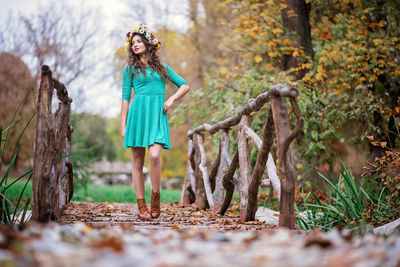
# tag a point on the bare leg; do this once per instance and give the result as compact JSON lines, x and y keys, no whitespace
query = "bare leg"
{"x":155,"y":166}
{"x":138,"y":154}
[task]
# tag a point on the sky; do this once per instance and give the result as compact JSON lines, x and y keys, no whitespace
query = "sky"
{"x":104,"y":96}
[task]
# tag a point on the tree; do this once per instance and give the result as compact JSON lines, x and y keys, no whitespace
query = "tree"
{"x":209,"y":26}
{"x":357,"y":53}
{"x":16,"y":84}
{"x":57,"y":35}
{"x":295,"y":19}
{"x":90,"y":134}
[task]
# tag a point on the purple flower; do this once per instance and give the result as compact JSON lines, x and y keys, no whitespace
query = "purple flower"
{"x":127,"y":35}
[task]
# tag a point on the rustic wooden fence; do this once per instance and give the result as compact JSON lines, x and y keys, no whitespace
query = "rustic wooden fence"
{"x":52,"y":186}
{"x":215,"y":188}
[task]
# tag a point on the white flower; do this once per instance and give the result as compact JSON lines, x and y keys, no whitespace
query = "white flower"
{"x":148,"y":35}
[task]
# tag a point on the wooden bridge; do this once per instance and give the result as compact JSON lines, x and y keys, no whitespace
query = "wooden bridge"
{"x":53,"y":174}
{"x":200,"y":184}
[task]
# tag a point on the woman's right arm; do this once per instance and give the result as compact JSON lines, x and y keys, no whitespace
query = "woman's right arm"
{"x":126,"y":97}
{"x":124,"y":114}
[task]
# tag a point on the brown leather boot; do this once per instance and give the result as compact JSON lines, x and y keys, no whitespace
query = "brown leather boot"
{"x":155,"y":204}
{"x":143,"y":211}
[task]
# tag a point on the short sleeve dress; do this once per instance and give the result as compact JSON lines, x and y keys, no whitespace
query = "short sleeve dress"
{"x":146,"y":123}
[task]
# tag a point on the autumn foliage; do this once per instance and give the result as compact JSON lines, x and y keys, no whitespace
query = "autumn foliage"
{"x":16,"y":89}
{"x":386,"y":169}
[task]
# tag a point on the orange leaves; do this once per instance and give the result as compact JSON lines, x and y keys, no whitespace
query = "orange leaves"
{"x":377,"y":42}
{"x":374,"y":25}
{"x":388,"y":112}
{"x":337,"y":90}
{"x":257,"y":58}
{"x":314,"y":30}
{"x":351,"y":46}
{"x":387,"y":167}
{"x":269,"y":68}
{"x":291,"y":13}
{"x":363,"y":31}
{"x":113,"y":242}
{"x":373,"y":77}
{"x":325,"y":34}
{"x":376,"y":143}
{"x":283,"y":5}
{"x":276,"y":30}
{"x":223,"y":70}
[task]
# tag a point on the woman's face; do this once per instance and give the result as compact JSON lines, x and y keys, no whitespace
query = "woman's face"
{"x":138,"y":46}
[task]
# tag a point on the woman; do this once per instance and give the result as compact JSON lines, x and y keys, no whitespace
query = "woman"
{"x":146,"y":123}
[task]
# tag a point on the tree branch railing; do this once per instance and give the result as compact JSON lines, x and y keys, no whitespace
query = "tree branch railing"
{"x":215,"y":190}
{"x":52,"y":186}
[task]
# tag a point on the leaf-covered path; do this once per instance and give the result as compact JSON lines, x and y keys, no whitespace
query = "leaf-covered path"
{"x":109,"y":234}
{"x":173,"y":215}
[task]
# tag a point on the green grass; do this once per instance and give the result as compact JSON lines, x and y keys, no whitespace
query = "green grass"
{"x":110,"y":193}
{"x":121,"y":193}
{"x":15,"y":190}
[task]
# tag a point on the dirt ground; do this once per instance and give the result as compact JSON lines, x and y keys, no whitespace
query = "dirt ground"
{"x":173,"y":215}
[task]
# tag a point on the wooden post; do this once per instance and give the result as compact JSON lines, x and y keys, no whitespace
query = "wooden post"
{"x":245,"y":166}
{"x":259,"y":168}
{"x":192,"y":163}
{"x":62,"y":166}
{"x":223,"y":167}
{"x":66,"y":185}
{"x":271,"y":168}
{"x":199,"y":146}
{"x":188,"y":188}
{"x":214,"y":169}
{"x":200,"y":192}
{"x":50,"y":192}
{"x":227,"y":182}
{"x":286,"y":170}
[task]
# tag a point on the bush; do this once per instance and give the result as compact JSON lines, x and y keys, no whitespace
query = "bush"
{"x":349,"y":205}
{"x":9,"y":210}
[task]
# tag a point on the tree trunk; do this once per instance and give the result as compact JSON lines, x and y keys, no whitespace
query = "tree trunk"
{"x":196,"y":40}
{"x":299,"y":26}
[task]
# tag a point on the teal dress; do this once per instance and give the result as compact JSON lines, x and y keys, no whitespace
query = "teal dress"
{"x":146,"y":123}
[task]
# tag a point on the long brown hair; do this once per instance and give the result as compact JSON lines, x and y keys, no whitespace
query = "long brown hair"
{"x":153,"y":59}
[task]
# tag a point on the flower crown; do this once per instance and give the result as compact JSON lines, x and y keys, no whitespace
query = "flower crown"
{"x":142,"y":29}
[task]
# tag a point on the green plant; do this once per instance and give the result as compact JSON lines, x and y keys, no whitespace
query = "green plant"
{"x":9,"y":211}
{"x":349,"y":205}
{"x":81,"y":164}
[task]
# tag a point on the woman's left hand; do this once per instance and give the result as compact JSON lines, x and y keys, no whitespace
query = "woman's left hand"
{"x":167,"y":104}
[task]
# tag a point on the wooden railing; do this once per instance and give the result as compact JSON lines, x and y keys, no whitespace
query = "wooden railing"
{"x":52,"y":186}
{"x":215,"y":188}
